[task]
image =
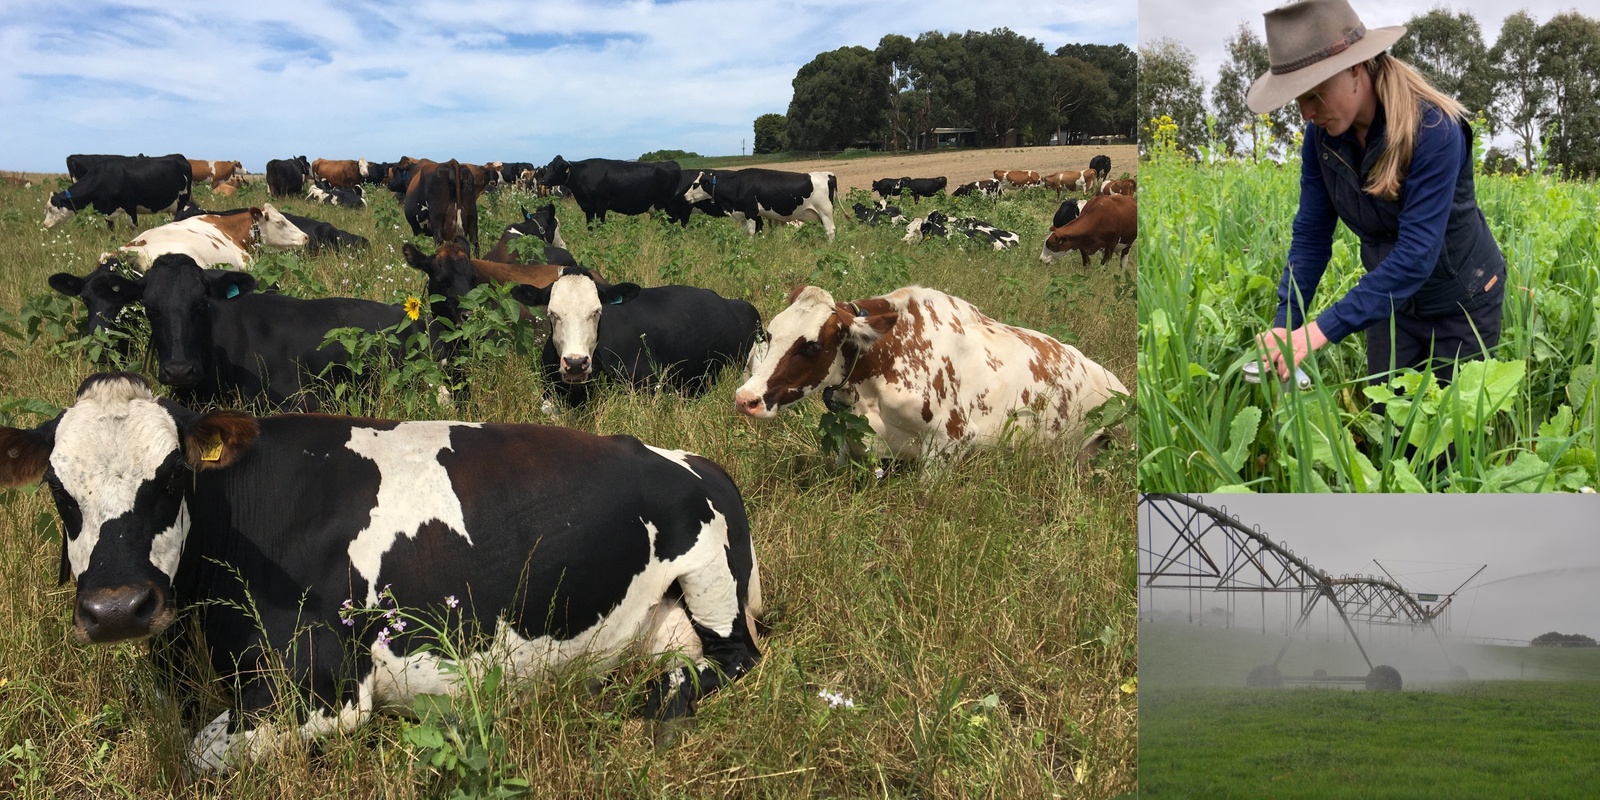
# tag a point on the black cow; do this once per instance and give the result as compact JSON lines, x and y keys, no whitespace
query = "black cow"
{"x":751,"y":195}
{"x":886,"y":187}
{"x":81,"y":164}
{"x":132,"y":185}
{"x":324,"y":192}
{"x":105,"y":292}
{"x":321,"y":234}
{"x":541,"y":225}
{"x":296,"y":547}
{"x":375,"y":173}
{"x":1066,"y":213}
{"x":626,"y":187}
{"x":675,"y":335}
{"x":1101,"y":164}
{"x":287,"y":176}
{"x":511,"y":171}
{"x":214,"y":336}
{"x":923,"y":187}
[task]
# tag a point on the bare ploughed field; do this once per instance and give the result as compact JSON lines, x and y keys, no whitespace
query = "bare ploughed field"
{"x":964,"y":166}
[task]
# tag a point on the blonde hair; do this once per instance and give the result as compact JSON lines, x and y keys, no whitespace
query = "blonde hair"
{"x":1402,"y":90}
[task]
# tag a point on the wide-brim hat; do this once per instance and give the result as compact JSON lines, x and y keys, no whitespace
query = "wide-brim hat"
{"x":1308,"y":43}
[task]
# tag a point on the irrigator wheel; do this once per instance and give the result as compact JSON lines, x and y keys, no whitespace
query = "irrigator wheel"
{"x":1265,"y":676}
{"x":1383,"y":678}
{"x":1458,"y":673}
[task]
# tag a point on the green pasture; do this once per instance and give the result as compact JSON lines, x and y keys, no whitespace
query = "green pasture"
{"x":1215,"y":241}
{"x":978,"y":614}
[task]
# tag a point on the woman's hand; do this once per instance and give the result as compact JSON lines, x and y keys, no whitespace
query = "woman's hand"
{"x":1304,"y":341}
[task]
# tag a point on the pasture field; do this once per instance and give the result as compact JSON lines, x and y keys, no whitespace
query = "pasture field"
{"x":1216,"y":241}
{"x":979,"y":615}
{"x":1202,"y":735}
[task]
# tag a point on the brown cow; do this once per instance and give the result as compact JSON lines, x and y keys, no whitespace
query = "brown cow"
{"x":1017,"y":177}
{"x":1108,"y":221}
{"x":1084,"y":181}
{"x":441,"y":200}
{"x":1126,"y":187}
{"x":345,"y":174}
{"x":216,"y":172}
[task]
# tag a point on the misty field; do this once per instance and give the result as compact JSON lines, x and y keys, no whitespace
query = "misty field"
{"x":1215,"y":240}
{"x":1202,"y":735}
{"x":978,"y":615}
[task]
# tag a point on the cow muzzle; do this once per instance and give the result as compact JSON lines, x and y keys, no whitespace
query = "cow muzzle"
{"x":751,"y":405}
{"x":106,"y":616}
{"x":180,"y":374}
{"x":575,"y":369}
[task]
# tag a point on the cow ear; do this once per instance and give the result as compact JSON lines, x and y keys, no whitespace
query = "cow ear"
{"x":223,"y":284}
{"x":219,"y":438}
{"x":531,"y":295}
{"x":865,"y":331}
{"x":618,"y":294}
{"x":25,"y":453}
{"x":526,"y":217}
{"x":256,"y":214}
{"x":67,"y":284}
{"x":416,"y":258}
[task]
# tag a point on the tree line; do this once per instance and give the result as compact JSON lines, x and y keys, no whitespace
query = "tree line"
{"x":1535,"y":83}
{"x":995,"y":82}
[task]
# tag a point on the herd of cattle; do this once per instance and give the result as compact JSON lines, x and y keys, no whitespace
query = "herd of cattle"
{"x":330,"y":518}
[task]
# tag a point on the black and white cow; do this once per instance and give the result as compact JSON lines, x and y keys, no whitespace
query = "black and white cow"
{"x":751,"y":195}
{"x":324,"y":192}
{"x":881,"y":212}
{"x":131,"y":185}
{"x":932,"y":226}
{"x":676,"y":335}
{"x":214,"y":337}
{"x":285,"y":540}
{"x":626,"y":187}
{"x":887,"y":187}
{"x":984,"y":188}
{"x":981,"y":231}
{"x":287,"y":176}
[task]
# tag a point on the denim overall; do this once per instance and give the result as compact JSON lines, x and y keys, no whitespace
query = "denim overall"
{"x":1461,"y":301}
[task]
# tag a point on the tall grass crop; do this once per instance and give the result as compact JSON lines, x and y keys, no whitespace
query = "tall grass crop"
{"x":978,"y":615}
{"x":1216,"y":235}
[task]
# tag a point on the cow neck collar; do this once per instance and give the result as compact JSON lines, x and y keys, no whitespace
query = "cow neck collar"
{"x":829,"y":397}
{"x":255,"y":233}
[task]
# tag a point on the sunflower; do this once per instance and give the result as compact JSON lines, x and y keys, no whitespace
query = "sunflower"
{"x":413,"y":307}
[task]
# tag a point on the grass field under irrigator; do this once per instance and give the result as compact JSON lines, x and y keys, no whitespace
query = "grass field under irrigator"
{"x":980,"y":615}
{"x":1215,"y":238}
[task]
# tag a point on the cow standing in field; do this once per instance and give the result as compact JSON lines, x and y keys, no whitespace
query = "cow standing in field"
{"x":439,"y":199}
{"x":1108,"y":222}
{"x":626,"y":187}
{"x":343,"y":173}
{"x":217,"y":238}
{"x":751,"y":195}
{"x":131,"y":185}
{"x":932,"y":374}
{"x":987,"y":188}
{"x":1128,"y":187}
{"x":1081,"y":181}
{"x":674,"y":335}
{"x":1017,"y":178}
{"x":1101,"y":164}
{"x":281,"y":542}
{"x":286,"y":177}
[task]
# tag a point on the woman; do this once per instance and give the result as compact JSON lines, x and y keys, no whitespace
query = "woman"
{"x":1391,"y":156}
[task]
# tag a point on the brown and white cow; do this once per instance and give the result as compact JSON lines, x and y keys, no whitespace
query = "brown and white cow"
{"x":344,"y":173}
{"x":217,"y":238}
{"x":1084,"y":181}
{"x":1108,"y":222}
{"x":217,"y":172}
{"x":932,"y":374}
{"x":1017,"y":178}
{"x":1127,"y":187}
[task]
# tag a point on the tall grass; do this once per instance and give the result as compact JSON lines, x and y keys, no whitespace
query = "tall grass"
{"x":1217,"y":236}
{"x":979,"y":614}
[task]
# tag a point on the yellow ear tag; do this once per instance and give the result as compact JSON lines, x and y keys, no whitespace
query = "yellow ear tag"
{"x":213,"y":451}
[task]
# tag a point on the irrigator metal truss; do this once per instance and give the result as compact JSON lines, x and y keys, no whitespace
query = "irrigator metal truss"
{"x":1212,"y":551}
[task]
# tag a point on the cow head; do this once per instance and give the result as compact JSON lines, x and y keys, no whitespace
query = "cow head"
{"x":702,"y":188}
{"x":104,"y":292}
{"x":810,"y":344}
{"x":541,"y":223}
{"x":450,"y":275}
{"x":178,"y":298}
{"x":119,"y":463}
{"x":59,"y":207}
{"x":556,"y":172}
{"x":573,"y":304}
{"x":276,"y":229}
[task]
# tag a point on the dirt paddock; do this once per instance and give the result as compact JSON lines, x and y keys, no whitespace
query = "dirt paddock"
{"x":964,"y":166}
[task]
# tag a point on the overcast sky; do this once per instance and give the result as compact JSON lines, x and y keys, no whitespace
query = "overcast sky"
{"x":475,"y":80}
{"x":1542,"y":551}
{"x":1204,"y":28}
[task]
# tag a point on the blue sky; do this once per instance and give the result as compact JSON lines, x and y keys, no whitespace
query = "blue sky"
{"x":478,"y":81}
